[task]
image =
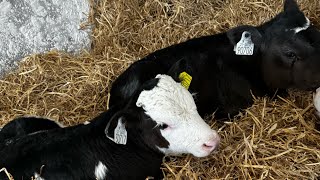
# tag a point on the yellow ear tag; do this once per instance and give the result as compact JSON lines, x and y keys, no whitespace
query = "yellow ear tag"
{"x":185,"y":79}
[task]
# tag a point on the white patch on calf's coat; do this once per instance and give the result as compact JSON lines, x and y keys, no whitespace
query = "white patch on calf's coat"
{"x":170,"y":103}
{"x":100,"y":171}
{"x":86,"y":123}
{"x":304,"y":27}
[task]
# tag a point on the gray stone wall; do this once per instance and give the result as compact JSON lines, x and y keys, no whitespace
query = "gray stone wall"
{"x":38,"y":26}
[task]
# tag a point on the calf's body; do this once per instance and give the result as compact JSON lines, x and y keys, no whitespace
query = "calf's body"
{"x":126,"y":142}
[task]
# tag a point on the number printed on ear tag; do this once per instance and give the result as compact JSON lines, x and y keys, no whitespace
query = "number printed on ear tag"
{"x":245,"y":46}
{"x":120,"y":133}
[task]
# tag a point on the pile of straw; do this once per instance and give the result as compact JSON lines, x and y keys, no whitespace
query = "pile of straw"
{"x":273,"y":139}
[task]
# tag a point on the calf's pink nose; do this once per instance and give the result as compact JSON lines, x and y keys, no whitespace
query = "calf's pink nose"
{"x":212,"y":144}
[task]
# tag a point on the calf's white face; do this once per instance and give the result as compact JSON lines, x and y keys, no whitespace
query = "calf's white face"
{"x":173,"y":109}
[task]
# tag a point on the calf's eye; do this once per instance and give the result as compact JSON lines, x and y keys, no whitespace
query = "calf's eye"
{"x":163,"y":126}
{"x":291,"y":55}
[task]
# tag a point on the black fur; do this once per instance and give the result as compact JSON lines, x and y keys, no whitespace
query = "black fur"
{"x":25,"y":125}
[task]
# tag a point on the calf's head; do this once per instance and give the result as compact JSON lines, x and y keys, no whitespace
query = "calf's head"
{"x":164,"y":117}
{"x":291,"y":50}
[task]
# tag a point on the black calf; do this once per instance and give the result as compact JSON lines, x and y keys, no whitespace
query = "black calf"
{"x":226,"y":71}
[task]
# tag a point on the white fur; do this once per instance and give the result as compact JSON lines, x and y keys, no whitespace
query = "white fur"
{"x":316,"y":101}
{"x":100,"y":171}
{"x":304,"y":27}
{"x":37,"y":176}
{"x":170,"y":103}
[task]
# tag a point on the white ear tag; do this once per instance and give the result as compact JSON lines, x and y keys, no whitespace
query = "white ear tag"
{"x":120,"y":133}
{"x":245,"y":46}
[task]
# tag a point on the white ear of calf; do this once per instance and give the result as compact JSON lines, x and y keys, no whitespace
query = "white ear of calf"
{"x":100,"y":171}
{"x":304,"y":27}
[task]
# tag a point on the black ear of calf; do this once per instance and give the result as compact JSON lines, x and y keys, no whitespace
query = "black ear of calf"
{"x":291,"y":5}
{"x":130,"y":117}
{"x":235,"y":34}
{"x":150,"y":84}
{"x":293,"y":15}
{"x":177,"y":68}
{"x":112,"y":124}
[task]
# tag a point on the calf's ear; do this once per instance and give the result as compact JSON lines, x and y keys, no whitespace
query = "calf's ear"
{"x":235,"y":34}
{"x":290,"y":5}
{"x":293,"y":17}
{"x":116,"y":128}
{"x":177,"y":68}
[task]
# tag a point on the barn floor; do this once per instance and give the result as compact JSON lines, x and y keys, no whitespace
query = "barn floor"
{"x":273,"y":139}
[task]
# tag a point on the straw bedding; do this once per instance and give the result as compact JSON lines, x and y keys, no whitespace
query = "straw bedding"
{"x":273,"y":139}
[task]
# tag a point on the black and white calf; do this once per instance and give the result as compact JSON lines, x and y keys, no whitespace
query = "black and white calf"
{"x":122,"y":143}
{"x":227,"y":68}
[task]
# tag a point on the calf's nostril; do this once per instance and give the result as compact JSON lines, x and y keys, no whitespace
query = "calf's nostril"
{"x":210,"y":145}
{"x":208,"y":148}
